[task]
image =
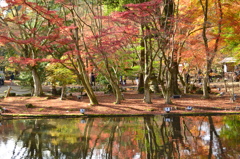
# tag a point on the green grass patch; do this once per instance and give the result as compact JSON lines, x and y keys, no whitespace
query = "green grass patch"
{"x":41,"y":109}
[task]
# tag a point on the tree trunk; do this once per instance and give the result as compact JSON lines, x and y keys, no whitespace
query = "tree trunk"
{"x":36,"y":83}
{"x":168,"y":97}
{"x":147,"y":94}
{"x":141,"y":84}
{"x":154,"y":84}
{"x":185,"y":88}
{"x":84,"y":78}
{"x":81,"y":70}
{"x":62,"y":92}
{"x":142,"y":66}
{"x":206,"y":82}
{"x":184,"y":81}
{"x":207,"y":51}
{"x":87,"y":86}
{"x":168,"y":91}
{"x":118,"y":93}
{"x":174,"y":79}
{"x":8,"y":92}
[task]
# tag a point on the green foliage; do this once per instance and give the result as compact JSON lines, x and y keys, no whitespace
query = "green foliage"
{"x":102,"y":80}
{"x":29,"y":106}
{"x":41,"y":70}
{"x":232,"y":43}
{"x":231,"y":132}
{"x":59,"y":75}
{"x":118,"y":5}
{"x":25,"y":78}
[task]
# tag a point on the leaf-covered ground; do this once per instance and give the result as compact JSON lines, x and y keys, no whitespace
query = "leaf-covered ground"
{"x":132,"y":105}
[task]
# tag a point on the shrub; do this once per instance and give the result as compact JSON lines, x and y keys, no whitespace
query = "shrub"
{"x":29,"y":106}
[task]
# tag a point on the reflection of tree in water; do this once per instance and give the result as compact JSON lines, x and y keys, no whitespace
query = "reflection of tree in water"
{"x":32,"y":141}
{"x":194,"y":138}
{"x":152,"y":145}
{"x":230,"y":136}
{"x":176,"y":139}
{"x":43,"y":138}
{"x":213,"y":133}
{"x":104,"y":138}
{"x":127,"y":137}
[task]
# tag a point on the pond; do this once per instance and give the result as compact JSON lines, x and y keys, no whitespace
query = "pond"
{"x":143,"y":137}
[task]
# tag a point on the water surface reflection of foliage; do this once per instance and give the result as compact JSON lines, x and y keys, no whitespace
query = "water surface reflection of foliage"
{"x":230,"y":134}
{"x":125,"y":137}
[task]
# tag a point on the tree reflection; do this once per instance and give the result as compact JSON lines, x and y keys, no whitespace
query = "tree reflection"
{"x":42,"y":139}
{"x":32,"y":141}
{"x":151,"y":144}
{"x":218,"y":140}
{"x":230,"y":136}
{"x":147,"y":137}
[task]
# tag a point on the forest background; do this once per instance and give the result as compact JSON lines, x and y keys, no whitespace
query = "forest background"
{"x":62,"y":43}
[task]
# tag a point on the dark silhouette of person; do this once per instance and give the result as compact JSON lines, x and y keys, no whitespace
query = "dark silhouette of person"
{"x":121,"y":80}
{"x":12,"y":77}
{"x":1,"y":81}
{"x":93,"y":79}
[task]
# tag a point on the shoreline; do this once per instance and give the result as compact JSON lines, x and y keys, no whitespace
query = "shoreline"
{"x":192,"y":113}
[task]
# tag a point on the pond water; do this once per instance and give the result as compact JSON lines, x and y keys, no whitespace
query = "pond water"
{"x":144,"y":137}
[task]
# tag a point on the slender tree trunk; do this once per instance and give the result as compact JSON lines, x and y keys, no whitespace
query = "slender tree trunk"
{"x":83,"y":77}
{"x":142,"y":65}
{"x":82,"y":73}
{"x":150,"y":137}
{"x":36,"y":83}
{"x":118,"y":93}
{"x":174,"y":79}
{"x":168,"y":91}
{"x":87,"y":86}
{"x":206,"y":82}
{"x":147,"y":74}
{"x":207,"y":51}
{"x":147,"y":93}
{"x":63,"y":92}
{"x":141,"y":84}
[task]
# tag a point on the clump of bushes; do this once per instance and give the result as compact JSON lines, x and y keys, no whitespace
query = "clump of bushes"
{"x":29,"y":105}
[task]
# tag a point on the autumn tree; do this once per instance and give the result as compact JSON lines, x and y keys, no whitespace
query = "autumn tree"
{"x":71,"y":44}
{"x":143,"y":17}
{"x":59,"y":75}
{"x":29,"y":33}
{"x":155,"y":20}
{"x":230,"y":29}
{"x":138,"y":53}
{"x":109,"y":57}
{"x":211,"y":41}
{"x":95,"y":44}
{"x":47,"y":33}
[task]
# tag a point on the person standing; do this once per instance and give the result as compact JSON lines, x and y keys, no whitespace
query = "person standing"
{"x":137,"y":81}
{"x":12,"y":77}
{"x":124,"y":80}
{"x":1,"y":81}
{"x":93,"y":79}
{"x":121,"y":80}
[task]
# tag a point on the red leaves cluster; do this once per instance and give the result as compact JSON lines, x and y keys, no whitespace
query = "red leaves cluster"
{"x":30,"y":61}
